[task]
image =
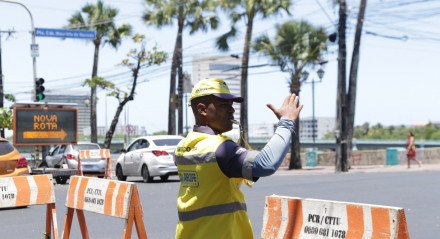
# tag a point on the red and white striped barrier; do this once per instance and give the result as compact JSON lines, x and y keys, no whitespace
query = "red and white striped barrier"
{"x":31,"y":190}
{"x":107,"y":197}
{"x":289,"y":217}
{"x":103,"y":154}
{"x":96,"y":153}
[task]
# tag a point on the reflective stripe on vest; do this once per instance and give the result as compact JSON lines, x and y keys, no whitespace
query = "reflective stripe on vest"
{"x":212,"y":211}
{"x":195,"y":159}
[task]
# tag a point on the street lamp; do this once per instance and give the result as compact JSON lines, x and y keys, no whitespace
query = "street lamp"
{"x":304,"y":76}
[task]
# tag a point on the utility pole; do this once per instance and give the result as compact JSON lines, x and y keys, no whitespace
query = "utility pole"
{"x":34,"y":54}
{"x":8,"y":33}
{"x":340,"y":132}
{"x":346,"y":102}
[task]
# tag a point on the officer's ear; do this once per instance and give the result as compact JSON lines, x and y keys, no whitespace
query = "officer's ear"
{"x":201,"y":108}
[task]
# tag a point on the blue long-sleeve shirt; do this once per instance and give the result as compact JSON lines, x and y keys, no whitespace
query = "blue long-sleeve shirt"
{"x":238,"y":162}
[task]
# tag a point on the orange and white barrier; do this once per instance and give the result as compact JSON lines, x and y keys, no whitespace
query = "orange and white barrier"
{"x":290,"y":217}
{"x":107,"y":197}
{"x":31,"y":190}
{"x":103,"y":154}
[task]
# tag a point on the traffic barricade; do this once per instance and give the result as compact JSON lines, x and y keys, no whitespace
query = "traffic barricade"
{"x":107,"y":197}
{"x":102,"y":154}
{"x":22,"y":191}
{"x":290,"y":217}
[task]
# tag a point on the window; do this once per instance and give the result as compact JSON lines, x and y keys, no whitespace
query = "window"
{"x":223,"y":67}
{"x":6,"y":147}
{"x":79,"y":147}
{"x":134,"y":146}
{"x":62,"y":149}
{"x":53,"y":150}
{"x":144,"y":144}
{"x":166,"y":142}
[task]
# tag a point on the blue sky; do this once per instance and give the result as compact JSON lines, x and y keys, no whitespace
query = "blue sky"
{"x":398,"y":74}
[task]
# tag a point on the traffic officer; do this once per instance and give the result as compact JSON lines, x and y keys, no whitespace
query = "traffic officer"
{"x":212,"y":167}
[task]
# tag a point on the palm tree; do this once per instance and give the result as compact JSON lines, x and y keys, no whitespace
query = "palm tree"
{"x":193,"y":14}
{"x":247,"y":10}
{"x":100,"y":18}
{"x":296,"y":47}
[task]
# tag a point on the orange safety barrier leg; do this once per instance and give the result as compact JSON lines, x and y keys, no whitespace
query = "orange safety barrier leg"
{"x":51,"y":223}
{"x":80,"y":172}
{"x":139,"y":222}
{"x":48,"y":222}
{"x":54,"y":222}
{"x":135,"y":214}
{"x":128,"y":224}
{"x":107,"y":169}
{"x":82,"y":224}
{"x":68,"y":223}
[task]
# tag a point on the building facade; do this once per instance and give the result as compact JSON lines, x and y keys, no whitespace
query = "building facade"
{"x":82,"y":99}
{"x":320,"y":127}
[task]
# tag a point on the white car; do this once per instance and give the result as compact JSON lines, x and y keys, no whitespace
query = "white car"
{"x":148,"y":156}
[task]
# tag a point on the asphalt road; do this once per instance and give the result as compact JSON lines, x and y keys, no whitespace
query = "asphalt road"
{"x":418,"y":192}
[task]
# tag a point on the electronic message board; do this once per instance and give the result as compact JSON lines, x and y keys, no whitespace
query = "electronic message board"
{"x":45,"y":126}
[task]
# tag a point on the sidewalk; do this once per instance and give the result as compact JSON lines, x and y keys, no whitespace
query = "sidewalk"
{"x":359,"y":169}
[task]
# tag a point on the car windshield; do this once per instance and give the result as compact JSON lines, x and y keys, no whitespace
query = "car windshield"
{"x":85,"y":146}
{"x":166,"y":142}
{"x":5,"y":147}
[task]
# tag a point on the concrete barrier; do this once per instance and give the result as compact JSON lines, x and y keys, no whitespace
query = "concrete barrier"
{"x":290,"y":217}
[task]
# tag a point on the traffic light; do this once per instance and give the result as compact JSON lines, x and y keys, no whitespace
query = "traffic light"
{"x":39,"y":90}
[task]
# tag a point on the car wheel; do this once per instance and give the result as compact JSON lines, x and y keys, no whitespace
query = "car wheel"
{"x":119,"y":173}
{"x":146,"y":175}
{"x":61,"y":180}
{"x":164,"y":177}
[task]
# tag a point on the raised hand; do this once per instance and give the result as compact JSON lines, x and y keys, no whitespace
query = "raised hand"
{"x":289,"y":109}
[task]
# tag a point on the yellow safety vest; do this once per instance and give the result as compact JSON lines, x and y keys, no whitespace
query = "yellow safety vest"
{"x":210,"y":205}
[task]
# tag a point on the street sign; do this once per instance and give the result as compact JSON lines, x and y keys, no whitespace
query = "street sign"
{"x":45,"y":126}
{"x":65,"y":33}
{"x":34,"y":50}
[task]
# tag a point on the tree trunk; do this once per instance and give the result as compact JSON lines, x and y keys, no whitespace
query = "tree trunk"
{"x":295,"y":156}
{"x":180,"y":81}
{"x":93,"y":120}
{"x":341,"y":143}
{"x":352,"y":86}
{"x":244,"y":80}
{"x":173,"y":97}
{"x":111,"y":130}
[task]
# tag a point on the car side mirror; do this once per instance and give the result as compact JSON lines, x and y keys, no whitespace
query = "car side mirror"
{"x":123,"y":151}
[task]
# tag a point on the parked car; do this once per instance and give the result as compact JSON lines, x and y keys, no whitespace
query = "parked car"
{"x":12,"y":163}
{"x":148,"y":156}
{"x":68,"y":154}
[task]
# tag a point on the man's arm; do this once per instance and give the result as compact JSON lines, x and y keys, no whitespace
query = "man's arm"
{"x":235,"y":161}
{"x":238,"y":162}
{"x":269,"y":159}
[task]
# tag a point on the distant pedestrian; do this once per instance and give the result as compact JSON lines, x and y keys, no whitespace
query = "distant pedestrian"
{"x":411,"y":150}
